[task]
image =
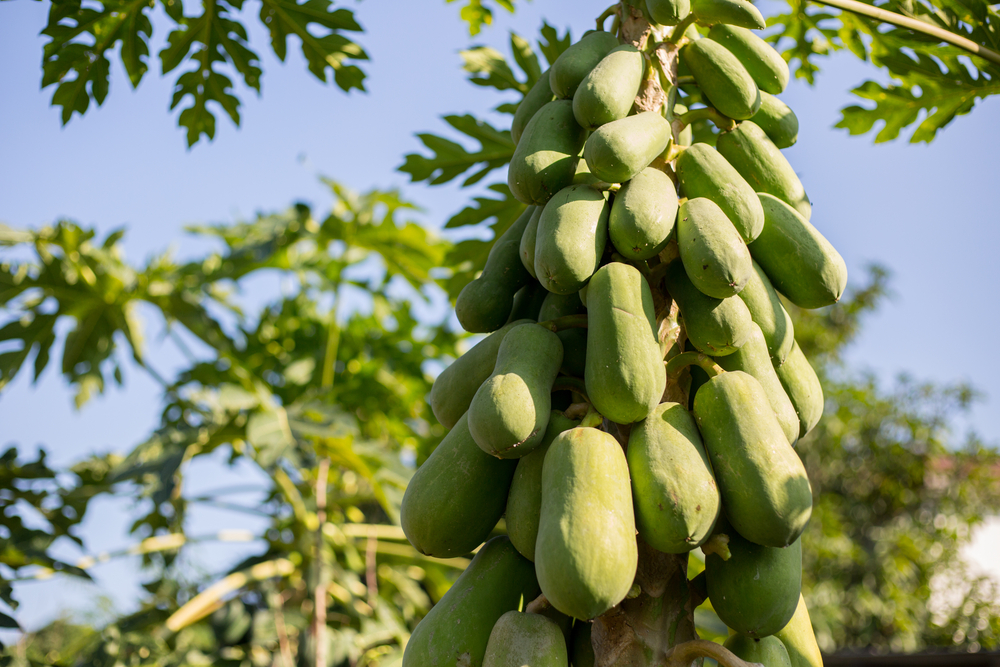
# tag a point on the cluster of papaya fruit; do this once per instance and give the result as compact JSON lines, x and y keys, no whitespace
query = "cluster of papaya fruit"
{"x":642,"y":264}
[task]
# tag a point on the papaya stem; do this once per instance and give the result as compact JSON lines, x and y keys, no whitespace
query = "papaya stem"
{"x":567,"y":383}
{"x":610,"y":11}
{"x":717,"y":544}
{"x":593,"y":418}
{"x":678,"y":32}
{"x":604,"y":186}
{"x":685,"y":359}
{"x":673,"y":152}
{"x":565,"y":322}
{"x":685,"y":80}
{"x":724,"y":123}
{"x":682,"y":655}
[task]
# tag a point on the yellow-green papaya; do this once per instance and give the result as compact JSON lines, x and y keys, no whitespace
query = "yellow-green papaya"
{"x":673,"y":490}
{"x":528,"y":302}
{"x":456,"y":497}
{"x":544,"y":161}
{"x":668,"y":12}
{"x":524,"y":501}
{"x":539,"y":95}
{"x":764,"y":485}
{"x":572,"y":233}
{"x":756,"y":590}
{"x":573,"y":64}
{"x":767,"y":651}
{"x":713,"y":252}
{"x":778,"y":121}
{"x":574,"y":340}
{"x":484,"y":304}
{"x":761,"y":163}
{"x":583,"y":175}
{"x":703,"y":172}
{"x":722,"y":78}
{"x":643,"y":215}
{"x":625,"y":376}
{"x":733,"y":12}
{"x":619,"y":150}
{"x":454,"y":388}
{"x":799,"y":639}
{"x":528,"y":239}
{"x":457,"y":629}
{"x":520,"y":639}
{"x":768,"y":313}
{"x":509,"y":413}
{"x":803,"y":388}
{"x":608,"y":90}
{"x":585,"y":554}
{"x":582,"y":654}
{"x":765,"y":65}
{"x":800,"y":262}
{"x":714,"y":326}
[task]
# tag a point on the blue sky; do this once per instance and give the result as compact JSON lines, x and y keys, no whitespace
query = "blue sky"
{"x":926,"y":212}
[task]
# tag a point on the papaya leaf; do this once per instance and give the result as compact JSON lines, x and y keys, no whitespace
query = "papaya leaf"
{"x":551,"y":44}
{"x":478,"y":14}
{"x":489,"y":69}
{"x":451,"y":159}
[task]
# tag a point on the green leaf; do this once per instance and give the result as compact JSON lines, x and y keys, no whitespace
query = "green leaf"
{"x":451,"y":159}
{"x":477,"y":14}
{"x":551,"y":44}
{"x":489,"y":69}
{"x":8,"y":622}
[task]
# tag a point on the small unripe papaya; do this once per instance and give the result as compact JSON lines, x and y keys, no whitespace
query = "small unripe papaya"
{"x":608,"y":90}
{"x":520,"y":639}
{"x":539,"y":95}
{"x":778,"y":121}
{"x":668,"y":12}
{"x":544,"y":161}
{"x":803,"y":388}
{"x":643,"y":215}
{"x":703,"y":172}
{"x":528,"y":302}
{"x":714,"y":326}
{"x":529,"y":238}
{"x":764,"y":64}
{"x":767,"y":651}
{"x":722,"y":78}
{"x":768,"y":313}
{"x":713,"y":252}
{"x":574,"y":340}
{"x":733,"y":12}
{"x":799,"y":639}
{"x":619,"y":150}
{"x":573,"y":64}
{"x":572,"y":233}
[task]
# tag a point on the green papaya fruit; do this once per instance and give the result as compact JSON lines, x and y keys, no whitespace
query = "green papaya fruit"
{"x":756,"y":590}
{"x":524,"y":501}
{"x":800,"y":262}
{"x":733,"y":12}
{"x":713,"y":252}
{"x":764,"y":64}
{"x":544,"y":161}
{"x":767,"y":651}
{"x":703,"y":172}
{"x":509,"y":413}
{"x":582,"y":654}
{"x":454,"y":388}
{"x":674,"y":492}
{"x":668,"y":12}
{"x":539,"y":95}
{"x":456,"y":631}
{"x":761,"y":163}
{"x":528,"y":302}
{"x":803,"y":388}
{"x":722,"y":78}
{"x":754,"y":359}
{"x":528,"y":239}
{"x":625,"y":376}
{"x":585,"y":554}
{"x":714,"y":326}
{"x":572,"y":233}
{"x":583,"y":175}
{"x":764,"y":485}
{"x":608,"y":90}
{"x":484,"y":304}
{"x":619,"y":150}
{"x":643,"y":215}
{"x":768,"y":313}
{"x":456,"y":497}
{"x":778,"y":121}
{"x":799,"y":639}
{"x":686,"y":137}
{"x":564,"y":622}
{"x":574,"y":340}
{"x":575,"y":63}
{"x":526,"y":640}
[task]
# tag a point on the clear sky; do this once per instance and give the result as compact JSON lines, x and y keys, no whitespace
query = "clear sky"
{"x":928,"y":213}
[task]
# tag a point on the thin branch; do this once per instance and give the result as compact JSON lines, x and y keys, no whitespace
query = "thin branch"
{"x":319,"y":617}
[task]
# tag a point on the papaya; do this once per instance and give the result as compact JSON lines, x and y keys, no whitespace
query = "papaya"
{"x":544,"y":160}
{"x":456,"y":497}
{"x":582,"y":654}
{"x":572,"y":233}
{"x":754,"y":359}
{"x":668,"y":12}
{"x":574,"y":340}
{"x":526,"y":640}
{"x":619,"y":150}
{"x":527,"y":247}
{"x":768,"y":313}
{"x":764,"y":64}
{"x":761,"y":163}
{"x":484,"y":304}
{"x":608,"y":90}
{"x":524,"y":501}
{"x":754,"y":592}
{"x":722,"y":78}
{"x":778,"y":121}
{"x":509,"y":413}
{"x":767,"y":651}
{"x":703,"y":172}
{"x":673,"y":489}
{"x":528,"y":302}
{"x":583,"y":175}
{"x":456,"y":631}
{"x":454,"y":388}
{"x":803,"y":388}
{"x":585,"y":554}
{"x":539,"y":95}
{"x":713,"y":252}
{"x":764,"y":485}
{"x":686,"y":136}
{"x":573,"y":64}
{"x":624,"y":375}
{"x":715,"y":327}
{"x":733,"y":12}
{"x":800,"y":262}
{"x":799,"y":639}
{"x":643,"y":215}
